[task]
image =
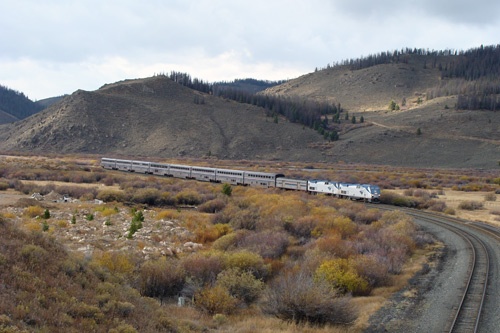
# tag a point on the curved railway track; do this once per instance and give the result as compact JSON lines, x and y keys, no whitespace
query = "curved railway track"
{"x":467,"y":315}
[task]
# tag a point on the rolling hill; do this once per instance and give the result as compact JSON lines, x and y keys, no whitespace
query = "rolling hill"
{"x":159,"y":118}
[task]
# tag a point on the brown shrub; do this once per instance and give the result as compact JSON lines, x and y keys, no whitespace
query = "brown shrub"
{"x":212,"y":206}
{"x":148,"y":196}
{"x":214,"y":300}
{"x":212,"y":232}
{"x":302,"y":227}
{"x":4,"y":186}
{"x":188,"y":197}
{"x":108,"y":195}
{"x":368,"y":216}
{"x":395,"y":199}
{"x":108,"y":181}
{"x":373,"y":269}
{"x":335,"y":245}
{"x":78,"y":191}
{"x":226,"y":242}
{"x":470,"y":205}
{"x":449,"y":211}
{"x":202,"y":268}
{"x":437,"y":205}
{"x":295,"y":296}
{"x":241,"y":284}
{"x":245,"y":219}
{"x":266,"y":244}
{"x":490,"y":197}
{"x":34,"y":256}
{"x":161,"y":278}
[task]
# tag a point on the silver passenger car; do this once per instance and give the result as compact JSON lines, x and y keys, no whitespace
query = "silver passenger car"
{"x":234,"y":177}
{"x":260,"y":179}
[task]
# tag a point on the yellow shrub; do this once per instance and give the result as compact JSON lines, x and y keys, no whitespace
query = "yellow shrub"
{"x":342,"y":276}
{"x":108,"y":211}
{"x":33,"y":211}
{"x":8,"y":215}
{"x":210,"y":233}
{"x":169,"y":214}
{"x":345,"y":226}
{"x":33,"y":226}
{"x":115,"y":262}
{"x":247,"y":261}
{"x":62,"y":223}
{"x":215,"y":300}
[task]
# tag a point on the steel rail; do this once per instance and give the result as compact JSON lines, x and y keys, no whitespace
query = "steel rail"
{"x":468,"y":313}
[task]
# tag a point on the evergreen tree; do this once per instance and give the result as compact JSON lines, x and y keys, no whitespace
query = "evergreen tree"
{"x":227,"y":189}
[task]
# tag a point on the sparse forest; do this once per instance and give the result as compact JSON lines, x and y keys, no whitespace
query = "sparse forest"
{"x":296,"y":110}
{"x":472,"y":74}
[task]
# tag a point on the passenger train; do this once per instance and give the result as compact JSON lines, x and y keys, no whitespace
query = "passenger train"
{"x":365,"y":192}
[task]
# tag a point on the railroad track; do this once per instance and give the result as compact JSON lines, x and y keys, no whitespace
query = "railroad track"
{"x":467,"y":314}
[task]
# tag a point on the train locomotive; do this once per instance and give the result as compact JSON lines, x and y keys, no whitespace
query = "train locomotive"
{"x":365,"y":192}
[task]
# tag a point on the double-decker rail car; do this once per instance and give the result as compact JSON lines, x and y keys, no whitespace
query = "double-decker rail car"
{"x":203,"y":174}
{"x":234,"y":177}
{"x":159,"y":169}
{"x":108,"y":163}
{"x":124,"y":165}
{"x":260,"y":179}
{"x":140,"y":166}
{"x":179,"y":171}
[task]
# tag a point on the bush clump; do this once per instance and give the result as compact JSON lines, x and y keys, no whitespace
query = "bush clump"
{"x":342,"y":275}
{"x":298,"y":297}
{"x":161,"y":278}
{"x":241,"y":284}
{"x":246,"y":261}
{"x":212,"y":206}
{"x":470,"y":205}
{"x":216,"y":299}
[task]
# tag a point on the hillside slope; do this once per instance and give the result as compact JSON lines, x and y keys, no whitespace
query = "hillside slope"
{"x":365,"y":89}
{"x":15,"y":105}
{"x":157,"y":117}
{"x":450,"y":138}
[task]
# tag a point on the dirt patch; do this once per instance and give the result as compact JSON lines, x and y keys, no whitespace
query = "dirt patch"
{"x":10,"y":197}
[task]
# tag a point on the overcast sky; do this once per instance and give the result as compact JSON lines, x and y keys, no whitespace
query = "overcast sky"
{"x":54,"y":47}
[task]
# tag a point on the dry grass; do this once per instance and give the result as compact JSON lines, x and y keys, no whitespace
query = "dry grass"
{"x":453,"y":199}
{"x":340,"y":220}
{"x":379,"y":296}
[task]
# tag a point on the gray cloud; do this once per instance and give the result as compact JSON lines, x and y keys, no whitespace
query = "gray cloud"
{"x":94,"y":42}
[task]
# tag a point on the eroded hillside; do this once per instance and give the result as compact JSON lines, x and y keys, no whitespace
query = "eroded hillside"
{"x":157,"y":117}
